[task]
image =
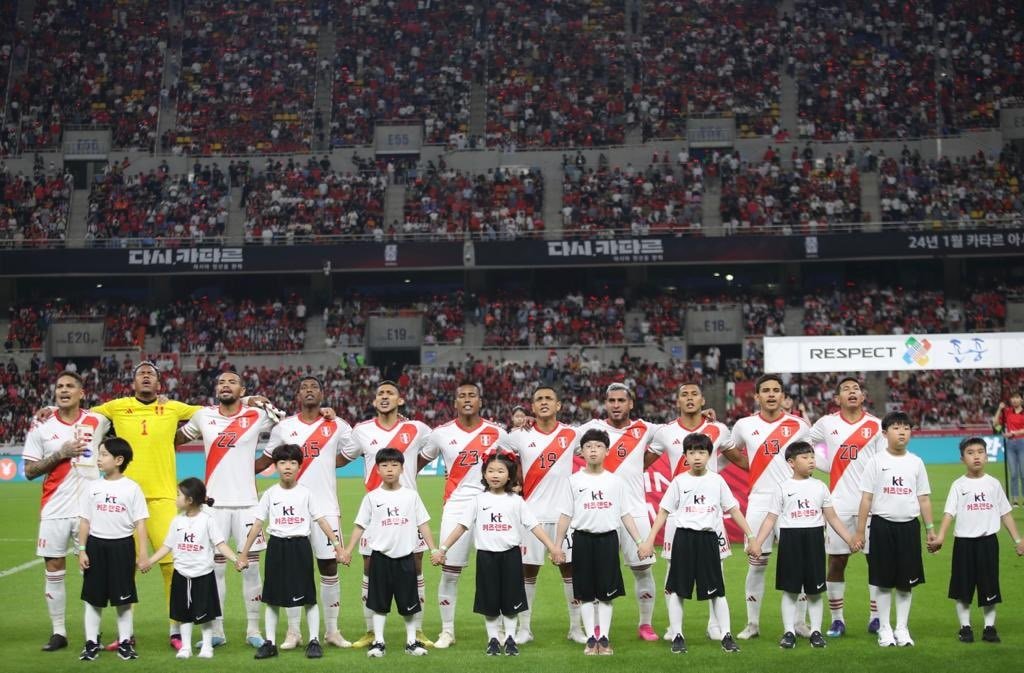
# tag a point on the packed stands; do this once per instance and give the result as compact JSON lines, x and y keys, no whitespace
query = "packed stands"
{"x":212,"y":325}
{"x":248,"y":78}
{"x":34,"y":210}
{"x":92,"y":63}
{"x":125,"y":324}
{"x":886,"y":310}
{"x":346,"y":318}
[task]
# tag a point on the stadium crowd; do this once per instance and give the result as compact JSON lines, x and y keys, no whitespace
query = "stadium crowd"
{"x":34,"y":210}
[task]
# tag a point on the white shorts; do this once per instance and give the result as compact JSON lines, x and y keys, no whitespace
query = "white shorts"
{"x":834,"y":545}
{"x":724,"y":548}
{"x":235,"y":522}
{"x":534,"y":551}
{"x":757,"y":510}
{"x":365,"y":550}
{"x":458,"y":554}
{"x":323,"y":549}
{"x":630,"y":552}
{"x":57,"y":537}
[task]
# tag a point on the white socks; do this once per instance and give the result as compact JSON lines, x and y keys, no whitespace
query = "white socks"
{"x":270,"y":619}
{"x":903,"y":599}
{"x":588,"y":611}
{"x":367,"y":612}
{"x":124,"y":622}
{"x":720,"y":613}
{"x":571,"y":602}
{"x":530,"y":584}
{"x":644,"y":588}
{"x":963,"y":613}
{"x":92,"y":623}
{"x":220,"y":575}
{"x":836,"y":593}
{"x":675,"y":614}
{"x":815,"y":610}
{"x":493,"y":626}
{"x":989,"y":612}
{"x":251,"y":590}
{"x":378,"y":627}
{"x":883,"y":599}
{"x":421,"y":593}
{"x":330,"y":596}
{"x":604,"y":618}
{"x":873,"y":601}
{"x":755,"y":588}
{"x":447,"y":590}
{"x":55,"y":600}
{"x":789,"y":609}
{"x":313,"y":620}
{"x":186,"y":636}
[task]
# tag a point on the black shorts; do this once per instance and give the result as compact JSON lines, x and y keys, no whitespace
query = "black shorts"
{"x":596,"y":575}
{"x":392,"y":578}
{"x":800,"y":566}
{"x":975,"y":566}
{"x":110,"y":578}
{"x":696,"y":559}
{"x":288,"y":572}
{"x":895,"y":558}
{"x":194,"y":599}
{"x":499,"y":583}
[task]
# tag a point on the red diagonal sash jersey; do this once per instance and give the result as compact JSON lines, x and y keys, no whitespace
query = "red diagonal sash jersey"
{"x":321,"y":442}
{"x":766,"y":442}
{"x":669,"y":440}
{"x":230,"y":443}
{"x":847,"y":449}
{"x":546,"y":458}
{"x":63,"y":486}
{"x":370,"y":436}
{"x":626,"y":458}
{"x":462,"y":450}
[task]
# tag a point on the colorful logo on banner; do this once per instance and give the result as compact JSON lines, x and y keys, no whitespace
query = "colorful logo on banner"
{"x":917,"y":351}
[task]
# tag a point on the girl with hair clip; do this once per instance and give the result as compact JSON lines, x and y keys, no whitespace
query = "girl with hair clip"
{"x":497,"y":521}
{"x":192,"y":538}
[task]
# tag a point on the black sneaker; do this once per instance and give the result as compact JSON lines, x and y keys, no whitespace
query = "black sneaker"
{"x":966,"y":634}
{"x":679,"y":644}
{"x":817,"y":640}
{"x":416,"y":649}
{"x":788,"y":641}
{"x":376,"y":650}
{"x":511,"y":649}
{"x":56,"y":642}
{"x":989,"y":635}
{"x":313,"y":649}
{"x":728,"y":644}
{"x":126,"y":650}
{"x":90,"y":652}
{"x":493,"y":647}
{"x":265,"y":651}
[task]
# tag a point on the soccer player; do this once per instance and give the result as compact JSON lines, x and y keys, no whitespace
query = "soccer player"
{"x":546,"y":450}
{"x":595,"y":510}
{"x":322,"y":442}
{"x":230,"y":433}
{"x":800,"y":506}
{"x":1010,"y":421}
{"x":669,"y":439}
{"x":895,"y":492}
{"x":851,"y":437}
{"x":765,"y":436}
{"x":388,"y":430}
{"x":289,"y":510}
{"x":978,"y":503}
{"x":63,"y":450}
{"x":461,"y":444}
{"x":149,"y":424}
{"x":628,"y":457}
{"x":697,"y":498}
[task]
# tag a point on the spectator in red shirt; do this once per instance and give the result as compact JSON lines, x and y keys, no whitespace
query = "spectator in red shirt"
{"x":1010,"y":421}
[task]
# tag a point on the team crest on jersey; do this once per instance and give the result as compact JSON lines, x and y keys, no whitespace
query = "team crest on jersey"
{"x":325,"y":431}
{"x":243,"y":422}
{"x":635,"y":432}
{"x":865,"y":433}
{"x":404,"y":437}
{"x":562,"y":442}
{"x":485,"y":440}
{"x":786,"y":432}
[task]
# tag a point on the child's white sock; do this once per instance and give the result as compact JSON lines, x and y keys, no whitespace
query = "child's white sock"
{"x":989,"y":612}
{"x":124,"y":622}
{"x":410,"y":627}
{"x":186,"y":635}
{"x":493,"y":626}
{"x":789,"y":610}
{"x":313,"y":620}
{"x":270,"y":620}
{"x":604,"y":618}
{"x":903,"y":599}
{"x":963,"y":613}
{"x":815,"y":611}
{"x":720,"y":610}
{"x":93,"y":615}
{"x":883,"y":599}
{"x":675,"y":614}
{"x":206,"y":631}
{"x":588,"y":612}
{"x":378,"y":627}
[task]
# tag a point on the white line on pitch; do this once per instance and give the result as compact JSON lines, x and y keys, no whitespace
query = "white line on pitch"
{"x":23,"y":566}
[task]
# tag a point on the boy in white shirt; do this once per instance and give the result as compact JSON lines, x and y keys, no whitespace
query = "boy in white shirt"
{"x":801,"y":505}
{"x":111,"y":510}
{"x":978,"y":503}
{"x":697,"y":499}
{"x":895,"y":493}
{"x":595,"y":510}
{"x":288,"y":509}
{"x":393,"y":517}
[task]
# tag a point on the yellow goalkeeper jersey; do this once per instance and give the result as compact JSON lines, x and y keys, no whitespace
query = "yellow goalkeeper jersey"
{"x":150,"y":429}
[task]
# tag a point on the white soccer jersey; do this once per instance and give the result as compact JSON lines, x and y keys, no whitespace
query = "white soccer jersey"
{"x":765,"y":443}
{"x":848,"y":447}
{"x":799,"y":503}
{"x":64,"y":485}
{"x":895,"y":483}
{"x":392,"y":519}
{"x":626,"y":458}
{"x":668,"y":439}
{"x":547,"y":459}
{"x":596,"y":501}
{"x":462,"y":450}
{"x":978,"y":505}
{"x":193,"y":540}
{"x":287,"y":512}
{"x":230,"y":443}
{"x":321,"y":442}
{"x":112,"y":507}
{"x":498,"y":522}
{"x":370,"y":436}
{"x":698,"y":503}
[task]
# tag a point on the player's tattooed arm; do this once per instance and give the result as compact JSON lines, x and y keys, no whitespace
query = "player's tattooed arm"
{"x":70,"y":449}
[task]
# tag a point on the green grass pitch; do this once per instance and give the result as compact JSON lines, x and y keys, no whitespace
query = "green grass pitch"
{"x":25,"y":624}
